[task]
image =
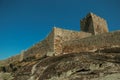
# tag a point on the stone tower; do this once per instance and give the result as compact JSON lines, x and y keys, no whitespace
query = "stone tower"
{"x":93,"y":24}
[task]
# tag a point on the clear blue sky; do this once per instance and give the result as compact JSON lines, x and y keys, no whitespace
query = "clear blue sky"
{"x":26,"y":22}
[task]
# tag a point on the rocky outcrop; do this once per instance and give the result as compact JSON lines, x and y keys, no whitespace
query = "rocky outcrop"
{"x":78,"y":66}
{"x":74,"y":66}
{"x":6,"y":76}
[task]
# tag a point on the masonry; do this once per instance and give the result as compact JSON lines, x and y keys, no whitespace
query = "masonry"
{"x":93,"y":24}
{"x":54,"y":44}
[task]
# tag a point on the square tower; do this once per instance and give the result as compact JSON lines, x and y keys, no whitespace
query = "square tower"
{"x":93,"y":24}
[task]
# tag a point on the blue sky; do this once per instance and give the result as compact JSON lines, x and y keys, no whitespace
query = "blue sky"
{"x":26,"y":22}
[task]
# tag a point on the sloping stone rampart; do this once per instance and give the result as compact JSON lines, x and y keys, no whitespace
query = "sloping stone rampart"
{"x":52,"y":45}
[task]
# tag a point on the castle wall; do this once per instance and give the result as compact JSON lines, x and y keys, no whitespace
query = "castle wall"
{"x":93,"y":43}
{"x":52,"y":45}
{"x":93,"y":24}
{"x":100,"y":25}
{"x":62,"y":36}
{"x":62,"y":41}
{"x":40,"y":49}
{"x":87,"y":24}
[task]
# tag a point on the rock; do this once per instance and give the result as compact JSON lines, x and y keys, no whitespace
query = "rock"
{"x":91,"y":54}
{"x":6,"y":76}
{"x":77,"y":66}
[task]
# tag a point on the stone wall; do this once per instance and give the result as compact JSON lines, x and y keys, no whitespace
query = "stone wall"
{"x":100,"y":25}
{"x":87,"y":24}
{"x":62,"y":35}
{"x":40,"y":49}
{"x":93,"y":43}
{"x":58,"y":40}
{"x":51,"y":45}
{"x":94,"y":24}
{"x":37,"y":51}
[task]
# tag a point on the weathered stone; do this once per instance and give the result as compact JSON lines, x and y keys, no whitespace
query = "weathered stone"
{"x":55,"y":40}
{"x":69,"y":55}
{"x":77,"y":66}
{"x":94,"y":24}
{"x":108,"y":42}
{"x":6,"y":76}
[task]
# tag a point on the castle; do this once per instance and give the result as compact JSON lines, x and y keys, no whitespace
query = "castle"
{"x":54,"y":42}
{"x":93,"y":24}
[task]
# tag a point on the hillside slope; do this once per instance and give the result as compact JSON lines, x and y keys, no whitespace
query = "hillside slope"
{"x":93,"y":58}
{"x":74,"y":66}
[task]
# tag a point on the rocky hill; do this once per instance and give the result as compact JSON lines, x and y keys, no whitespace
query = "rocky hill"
{"x":103,"y":63}
{"x":91,"y":54}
